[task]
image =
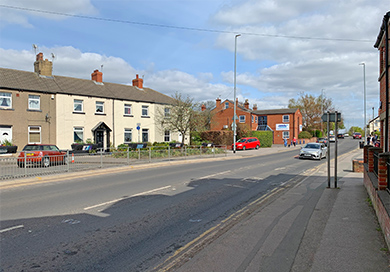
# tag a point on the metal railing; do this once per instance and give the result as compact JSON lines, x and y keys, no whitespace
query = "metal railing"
{"x":19,"y":167}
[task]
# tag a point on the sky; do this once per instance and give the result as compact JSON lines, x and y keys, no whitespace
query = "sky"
{"x":286,"y":47}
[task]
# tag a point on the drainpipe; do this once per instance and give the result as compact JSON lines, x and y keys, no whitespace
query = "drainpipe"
{"x":386,"y":21}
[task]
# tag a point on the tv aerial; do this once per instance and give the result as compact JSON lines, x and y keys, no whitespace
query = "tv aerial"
{"x":35,"y":48}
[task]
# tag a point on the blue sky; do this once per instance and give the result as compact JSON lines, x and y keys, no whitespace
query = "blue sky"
{"x":187,"y":46}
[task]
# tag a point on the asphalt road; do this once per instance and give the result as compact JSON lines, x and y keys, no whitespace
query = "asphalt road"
{"x":133,"y":221}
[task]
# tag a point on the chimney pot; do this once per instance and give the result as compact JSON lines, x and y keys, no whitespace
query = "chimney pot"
{"x":138,"y":82}
{"x":218,"y":102}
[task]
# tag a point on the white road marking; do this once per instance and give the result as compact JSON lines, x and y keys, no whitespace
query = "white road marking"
{"x":122,"y":198}
{"x":213,"y":175}
{"x":12,"y":228}
{"x":280,"y":168}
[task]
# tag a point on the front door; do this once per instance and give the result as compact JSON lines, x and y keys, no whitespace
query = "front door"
{"x":100,"y":138}
{"x":5,"y":134}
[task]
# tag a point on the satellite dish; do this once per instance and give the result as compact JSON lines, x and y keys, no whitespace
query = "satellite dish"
{"x":35,"y":48}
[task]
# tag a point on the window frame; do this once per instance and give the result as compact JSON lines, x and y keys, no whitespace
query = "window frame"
{"x":167,"y":136}
{"x":6,"y":96}
{"x":288,"y":118}
{"x":82,"y":105}
{"x":243,"y":118}
{"x":286,"y":134}
{"x":226,"y":105}
{"x":34,"y":98}
{"x":144,"y":107}
{"x":167,"y":112}
{"x":97,"y":107}
{"x":78,"y":129}
{"x":145,"y":131}
{"x":128,"y":131}
{"x":130,"y":108}
{"x":30,"y":131}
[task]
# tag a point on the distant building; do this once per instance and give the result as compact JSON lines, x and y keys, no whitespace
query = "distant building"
{"x":38,"y":107}
{"x":284,"y":123}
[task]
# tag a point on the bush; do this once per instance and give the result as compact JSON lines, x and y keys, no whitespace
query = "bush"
{"x":265,"y":137}
{"x":218,"y":137}
{"x":304,"y":135}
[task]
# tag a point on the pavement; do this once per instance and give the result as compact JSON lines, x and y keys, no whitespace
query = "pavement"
{"x":308,"y":227}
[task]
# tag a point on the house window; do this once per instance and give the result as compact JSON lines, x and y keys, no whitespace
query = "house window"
{"x":286,"y":118}
{"x":78,"y":134}
{"x":167,"y":136}
{"x":167,"y":112}
{"x":34,"y":102}
{"x":242,"y":118}
{"x":128,"y":135}
{"x":99,"y":107}
{"x":78,"y":105}
{"x":286,"y":134}
{"x":145,"y":110}
{"x":226,"y":105}
{"x":253,"y":119}
{"x":145,"y":135}
{"x":5,"y":100}
{"x":256,"y":120}
{"x":34,"y":135}
{"x":127,"y":109}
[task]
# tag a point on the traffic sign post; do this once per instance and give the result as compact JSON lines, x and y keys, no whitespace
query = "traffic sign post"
{"x":332,"y":117}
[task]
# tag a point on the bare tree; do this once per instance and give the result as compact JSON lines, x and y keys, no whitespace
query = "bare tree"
{"x":177,"y":116}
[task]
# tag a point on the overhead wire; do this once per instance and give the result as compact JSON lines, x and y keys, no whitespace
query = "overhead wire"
{"x":183,"y":27}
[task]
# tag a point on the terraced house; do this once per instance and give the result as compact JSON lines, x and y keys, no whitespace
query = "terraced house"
{"x":39,"y":107}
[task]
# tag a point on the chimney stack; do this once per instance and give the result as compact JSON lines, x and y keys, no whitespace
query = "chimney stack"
{"x":246,"y":104}
{"x":255,"y":107}
{"x":203,"y":107}
{"x":97,"y":76}
{"x":43,"y":67}
{"x":218,"y":102}
{"x":138,"y":82}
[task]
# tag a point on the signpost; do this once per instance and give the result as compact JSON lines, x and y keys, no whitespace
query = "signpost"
{"x":138,"y":128}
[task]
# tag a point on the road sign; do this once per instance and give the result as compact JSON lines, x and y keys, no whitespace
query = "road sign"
{"x":332,"y":117}
{"x":138,"y":127}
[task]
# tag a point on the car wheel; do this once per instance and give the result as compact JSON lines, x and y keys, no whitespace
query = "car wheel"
{"x":45,"y":162}
{"x":244,"y":148}
{"x":257,"y":146}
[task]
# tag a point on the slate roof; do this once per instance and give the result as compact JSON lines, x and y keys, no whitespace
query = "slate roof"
{"x":30,"y":81}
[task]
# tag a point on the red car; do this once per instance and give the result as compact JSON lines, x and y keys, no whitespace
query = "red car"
{"x":42,"y":154}
{"x":357,"y":135}
{"x":247,"y":143}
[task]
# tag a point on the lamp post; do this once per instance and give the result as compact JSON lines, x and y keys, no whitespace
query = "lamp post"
{"x":364,"y":81}
{"x":235,"y":103}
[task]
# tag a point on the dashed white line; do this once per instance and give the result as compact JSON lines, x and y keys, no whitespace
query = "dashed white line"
{"x":119,"y":199}
{"x":11,"y":228}
{"x":213,"y":175}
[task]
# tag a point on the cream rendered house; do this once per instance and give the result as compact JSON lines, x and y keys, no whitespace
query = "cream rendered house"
{"x":77,"y":110}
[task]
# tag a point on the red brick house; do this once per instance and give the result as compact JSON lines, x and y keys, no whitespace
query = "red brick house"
{"x":383,"y":79}
{"x":284,"y":123}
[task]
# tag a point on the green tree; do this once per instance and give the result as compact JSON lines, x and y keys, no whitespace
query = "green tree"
{"x":312,"y":109}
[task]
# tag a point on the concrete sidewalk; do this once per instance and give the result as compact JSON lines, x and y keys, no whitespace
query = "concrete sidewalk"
{"x":307,"y":228}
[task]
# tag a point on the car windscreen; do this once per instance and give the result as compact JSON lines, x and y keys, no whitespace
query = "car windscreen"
{"x":241,"y":141}
{"x":313,"y":146}
{"x":32,"y":148}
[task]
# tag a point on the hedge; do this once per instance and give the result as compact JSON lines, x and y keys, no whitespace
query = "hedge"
{"x":265,"y":137}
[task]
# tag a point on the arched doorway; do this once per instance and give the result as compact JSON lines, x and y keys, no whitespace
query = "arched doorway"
{"x":101,"y":135}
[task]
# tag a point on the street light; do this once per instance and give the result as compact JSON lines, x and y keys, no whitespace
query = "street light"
{"x":235,"y":103}
{"x":364,"y":79}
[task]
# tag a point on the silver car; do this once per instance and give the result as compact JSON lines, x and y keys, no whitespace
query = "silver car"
{"x":315,"y":151}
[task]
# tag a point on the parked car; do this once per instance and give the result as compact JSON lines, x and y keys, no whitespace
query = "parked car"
{"x":315,"y":151}
{"x":322,"y":141}
{"x":247,"y":143}
{"x":41,"y":154}
{"x":346,"y":135}
{"x":332,"y":138}
{"x":357,"y":135}
{"x":340,"y":136}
